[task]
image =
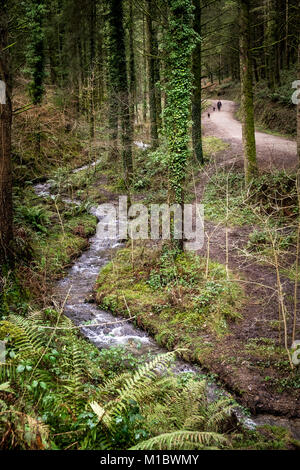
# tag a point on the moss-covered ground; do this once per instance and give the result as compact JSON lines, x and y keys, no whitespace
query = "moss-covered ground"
{"x":170,"y":295}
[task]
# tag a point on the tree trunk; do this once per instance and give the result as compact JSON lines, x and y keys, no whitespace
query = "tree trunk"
{"x":145,"y":94}
{"x":248,"y":129}
{"x":151,"y":71}
{"x":92,"y":68}
{"x":255,"y":70}
{"x":287,"y":52}
{"x":197,"y":93}
{"x":113,"y":67}
{"x":273,"y":47}
{"x":180,"y":42}
{"x":157,"y":81}
{"x":132,"y":75}
{"x":298,"y":112}
{"x":6,"y":215}
{"x":119,"y":86}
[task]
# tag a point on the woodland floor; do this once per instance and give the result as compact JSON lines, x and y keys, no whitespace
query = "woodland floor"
{"x":246,"y":359}
{"x":243,"y":370}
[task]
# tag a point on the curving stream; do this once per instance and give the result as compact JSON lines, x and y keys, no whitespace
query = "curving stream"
{"x":109,"y":330}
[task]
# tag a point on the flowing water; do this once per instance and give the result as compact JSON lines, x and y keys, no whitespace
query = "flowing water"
{"x":106,"y":330}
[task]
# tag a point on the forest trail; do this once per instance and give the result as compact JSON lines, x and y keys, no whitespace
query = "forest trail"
{"x":272,"y":151}
{"x":260,"y":309}
{"x":258,"y":278}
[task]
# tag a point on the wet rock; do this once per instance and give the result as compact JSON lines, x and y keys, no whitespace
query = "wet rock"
{"x":89,"y":299}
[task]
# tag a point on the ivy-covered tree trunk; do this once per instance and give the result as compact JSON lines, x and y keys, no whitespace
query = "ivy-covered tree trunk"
{"x":152,"y":51}
{"x":197,"y":92}
{"x":157,"y":80}
{"x":248,"y":129}
{"x":6,"y":214}
{"x":179,"y":41}
{"x":119,"y":95}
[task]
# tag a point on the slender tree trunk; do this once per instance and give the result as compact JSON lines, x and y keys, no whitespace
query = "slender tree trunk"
{"x":132,"y":75}
{"x":92,"y":68}
{"x":273,"y":48}
{"x":119,"y":86}
{"x":151,"y":71}
{"x":157,"y":81}
{"x":298,"y":113}
{"x":255,"y":70}
{"x":248,"y":129}
{"x":6,"y":214}
{"x":197,"y":93}
{"x":80,"y":76}
{"x":100,"y":62}
{"x":287,"y":52}
{"x":144,"y":75}
{"x":113,"y":68}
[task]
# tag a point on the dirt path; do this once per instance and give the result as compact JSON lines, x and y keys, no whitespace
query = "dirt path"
{"x":272,"y":151}
{"x":242,"y":368}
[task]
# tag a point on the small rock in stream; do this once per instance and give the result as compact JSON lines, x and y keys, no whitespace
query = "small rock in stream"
{"x":89,"y":299}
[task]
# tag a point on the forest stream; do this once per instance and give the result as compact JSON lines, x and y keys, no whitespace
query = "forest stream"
{"x":75,"y":293}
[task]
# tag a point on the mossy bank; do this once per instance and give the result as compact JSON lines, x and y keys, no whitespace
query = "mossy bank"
{"x":178,"y":297}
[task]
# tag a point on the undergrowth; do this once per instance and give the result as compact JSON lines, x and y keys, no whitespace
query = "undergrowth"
{"x":151,"y":171}
{"x":55,"y":394}
{"x":271,"y":196}
{"x":48,"y":235}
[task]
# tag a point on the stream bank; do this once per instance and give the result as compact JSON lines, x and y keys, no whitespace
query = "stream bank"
{"x":76,"y":288}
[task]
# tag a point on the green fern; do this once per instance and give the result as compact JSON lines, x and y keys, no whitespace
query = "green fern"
{"x":175,"y":416}
{"x":74,"y":382}
{"x":134,"y":388}
{"x":25,"y":338}
{"x":183,"y":440}
{"x":7,"y":372}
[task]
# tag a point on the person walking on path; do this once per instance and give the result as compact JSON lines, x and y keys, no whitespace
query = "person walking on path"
{"x":219,"y":105}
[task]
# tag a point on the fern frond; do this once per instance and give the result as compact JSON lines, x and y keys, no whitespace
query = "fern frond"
{"x":25,"y":337}
{"x":218,"y":413}
{"x":111,"y":386}
{"x":194,"y":422}
{"x":74,"y":382}
{"x":5,"y":387}
{"x":182,"y":440}
{"x":135,"y":386}
{"x":7,"y":372}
